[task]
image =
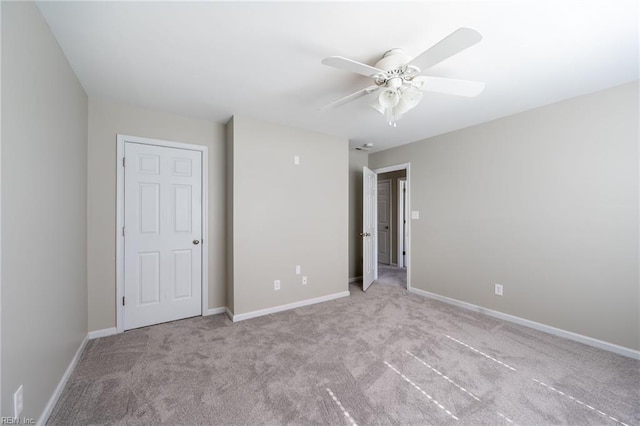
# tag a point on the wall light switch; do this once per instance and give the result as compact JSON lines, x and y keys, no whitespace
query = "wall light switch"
{"x":415,"y":214}
{"x":298,"y":269}
{"x":296,"y":160}
{"x":304,"y":280}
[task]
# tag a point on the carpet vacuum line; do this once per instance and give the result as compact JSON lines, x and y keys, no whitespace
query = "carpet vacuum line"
{"x":551,"y":388}
{"x":444,"y":377}
{"x":339,"y":404}
{"x":421,"y":390}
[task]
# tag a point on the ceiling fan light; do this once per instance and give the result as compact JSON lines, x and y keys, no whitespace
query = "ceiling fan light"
{"x":419,"y":81}
{"x":389,"y":98}
{"x":410,"y":98}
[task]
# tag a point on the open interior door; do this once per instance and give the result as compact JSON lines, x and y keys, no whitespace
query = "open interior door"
{"x":369,"y":222}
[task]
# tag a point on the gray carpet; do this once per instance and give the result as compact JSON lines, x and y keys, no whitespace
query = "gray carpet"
{"x":392,"y":275}
{"x":385,"y":357}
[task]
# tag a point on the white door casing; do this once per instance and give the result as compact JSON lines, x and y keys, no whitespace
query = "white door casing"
{"x":369,"y":222}
{"x":402,"y":222}
{"x":384,"y":221}
{"x":162,"y":219}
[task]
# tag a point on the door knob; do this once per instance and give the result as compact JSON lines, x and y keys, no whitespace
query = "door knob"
{"x":196,"y":242}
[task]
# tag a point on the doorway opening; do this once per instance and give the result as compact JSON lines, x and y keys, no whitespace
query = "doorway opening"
{"x":392,"y":228}
{"x":386,"y":226}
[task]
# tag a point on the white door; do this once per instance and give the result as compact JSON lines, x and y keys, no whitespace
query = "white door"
{"x":384,"y":221}
{"x":162,"y":228}
{"x":369,"y":249}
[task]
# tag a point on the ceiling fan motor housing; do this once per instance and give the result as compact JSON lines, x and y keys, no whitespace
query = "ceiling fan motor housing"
{"x":394,"y":63}
{"x":393,"y":59}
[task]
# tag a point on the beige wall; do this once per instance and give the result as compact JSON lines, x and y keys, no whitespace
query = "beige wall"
{"x":357,"y":160}
{"x":44,"y":171}
{"x":286,"y":215}
{"x":106,"y":120}
{"x":394,"y":177}
{"x":545,"y":203}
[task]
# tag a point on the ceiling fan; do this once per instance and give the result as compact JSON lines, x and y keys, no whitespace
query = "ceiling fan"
{"x":398,"y":76}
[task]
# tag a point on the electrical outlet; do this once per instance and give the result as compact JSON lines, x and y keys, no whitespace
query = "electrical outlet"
{"x":18,"y":402}
{"x":298,"y":269}
{"x":276,"y":285}
{"x":304,"y":280}
{"x":499,"y":289}
{"x":296,"y":160}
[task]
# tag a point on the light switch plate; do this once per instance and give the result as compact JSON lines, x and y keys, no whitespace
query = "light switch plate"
{"x":415,"y":214}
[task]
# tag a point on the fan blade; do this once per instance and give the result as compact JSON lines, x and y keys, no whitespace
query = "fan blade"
{"x":455,"y":42}
{"x":351,"y":97}
{"x":448,"y":86}
{"x":350,"y":65}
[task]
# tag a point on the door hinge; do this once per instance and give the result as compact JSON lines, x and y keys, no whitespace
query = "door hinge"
{"x":122,"y":300}
{"x":404,"y":253}
{"x":123,"y":161}
{"x":123,"y":231}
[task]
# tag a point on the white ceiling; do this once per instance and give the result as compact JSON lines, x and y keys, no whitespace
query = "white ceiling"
{"x":216,"y":59}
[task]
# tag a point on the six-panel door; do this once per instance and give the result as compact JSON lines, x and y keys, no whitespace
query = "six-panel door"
{"x":163,"y":227}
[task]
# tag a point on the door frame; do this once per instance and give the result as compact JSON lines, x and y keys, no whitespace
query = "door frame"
{"x":402,"y":216}
{"x":204,"y":283}
{"x":394,"y":168}
{"x":390,"y":212}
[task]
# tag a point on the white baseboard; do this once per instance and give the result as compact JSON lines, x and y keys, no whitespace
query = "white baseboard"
{"x":600,"y":344}
{"x":42,"y":420}
{"x":261,"y":312}
{"x":102,"y":333}
{"x":215,"y":311}
{"x":229,"y":313}
{"x":355,"y":279}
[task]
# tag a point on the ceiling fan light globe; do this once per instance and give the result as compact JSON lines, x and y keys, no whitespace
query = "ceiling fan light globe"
{"x":419,"y":81}
{"x":402,"y":108}
{"x":410,"y":98}
{"x":389,"y":98}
